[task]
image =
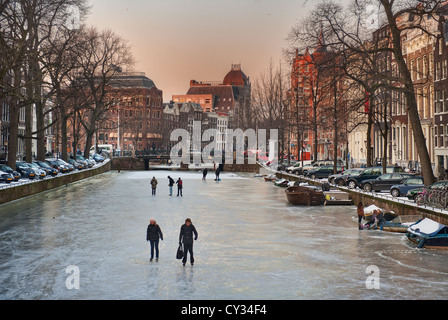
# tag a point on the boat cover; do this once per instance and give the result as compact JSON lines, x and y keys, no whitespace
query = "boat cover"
{"x":426,"y":226}
{"x":369,"y":210}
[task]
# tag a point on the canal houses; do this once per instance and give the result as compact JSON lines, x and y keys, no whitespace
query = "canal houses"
{"x":426,"y":55}
{"x":441,"y":97}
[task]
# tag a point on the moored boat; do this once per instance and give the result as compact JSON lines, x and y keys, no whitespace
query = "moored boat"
{"x":308,"y":196}
{"x":337,"y":197}
{"x":281,"y":183}
{"x":428,"y":234}
{"x":270,"y":177}
{"x":400,"y":223}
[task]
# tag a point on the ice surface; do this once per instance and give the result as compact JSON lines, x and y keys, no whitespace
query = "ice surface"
{"x":252,"y":244}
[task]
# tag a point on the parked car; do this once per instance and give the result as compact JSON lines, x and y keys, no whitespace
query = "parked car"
{"x":320,"y":163}
{"x":97,"y":157}
{"x":90,"y":159}
{"x":413,"y":192}
{"x":25,"y":170}
{"x":45,"y":166}
{"x":81,"y":158}
{"x":291,"y":168}
{"x":65,"y":163}
{"x":339,"y":178}
{"x":41,"y":173}
{"x":76,"y":164}
{"x":82,"y":161}
{"x":402,"y":189}
{"x":303,"y":170}
{"x":322,"y":172}
{"x":16,"y":175}
{"x":57,"y":165}
{"x":384,"y":181}
{"x":353,"y":181}
{"x":6,"y":177}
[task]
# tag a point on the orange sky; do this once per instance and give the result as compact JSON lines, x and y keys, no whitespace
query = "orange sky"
{"x":175,"y":41}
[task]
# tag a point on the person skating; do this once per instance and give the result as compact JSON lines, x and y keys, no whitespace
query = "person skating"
{"x":217,"y":172}
{"x":154,"y":185}
{"x":153,"y":234}
{"x":204,"y":174}
{"x":187,"y":231}
{"x":170,"y":184}
{"x":180,"y":186}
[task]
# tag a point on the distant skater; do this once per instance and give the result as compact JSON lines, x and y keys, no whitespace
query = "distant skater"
{"x":186,"y":237}
{"x":170,"y":184}
{"x":204,"y":174}
{"x":217,"y":172}
{"x":360,"y":212}
{"x":153,"y":234}
{"x":154,"y":185}
{"x":180,"y":186}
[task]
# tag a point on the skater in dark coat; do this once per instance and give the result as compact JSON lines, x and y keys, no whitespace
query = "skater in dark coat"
{"x":217,"y":172}
{"x":187,"y":231}
{"x":180,"y":186}
{"x":360,"y":213}
{"x":153,"y":234}
{"x":170,"y":184}
{"x":204,"y":174}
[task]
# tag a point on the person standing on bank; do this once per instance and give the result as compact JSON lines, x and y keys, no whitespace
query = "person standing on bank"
{"x":360,"y":212}
{"x":153,"y":234}
{"x":170,"y":184}
{"x":186,"y":237}
{"x":179,"y":187}
{"x":154,"y":185}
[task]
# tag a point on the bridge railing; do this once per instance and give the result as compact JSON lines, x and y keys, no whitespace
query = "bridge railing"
{"x":140,"y":153}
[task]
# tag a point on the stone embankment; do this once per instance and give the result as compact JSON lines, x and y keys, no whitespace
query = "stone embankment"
{"x":25,"y":189}
{"x":400,"y":206}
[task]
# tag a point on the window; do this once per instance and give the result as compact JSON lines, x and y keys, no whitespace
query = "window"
{"x":444,"y":69}
{"x":418,"y":71}
{"x":446,"y":136}
{"x":441,"y":136}
{"x":435,"y":136}
{"x":444,"y":104}
{"x":437,"y":104}
{"x":425,"y":67}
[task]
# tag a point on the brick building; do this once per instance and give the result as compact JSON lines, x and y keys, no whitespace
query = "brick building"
{"x":231,"y":96}
{"x":135,"y":118}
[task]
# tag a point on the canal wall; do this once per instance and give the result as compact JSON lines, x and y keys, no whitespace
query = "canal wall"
{"x":398,"y":206}
{"x":11,"y":193}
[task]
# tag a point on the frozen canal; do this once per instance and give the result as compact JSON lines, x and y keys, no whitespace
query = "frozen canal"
{"x":252,"y":245}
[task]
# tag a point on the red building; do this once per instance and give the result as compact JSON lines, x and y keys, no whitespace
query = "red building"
{"x":231,"y":96}
{"x":315,"y":84}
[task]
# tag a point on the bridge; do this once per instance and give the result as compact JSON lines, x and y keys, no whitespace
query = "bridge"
{"x":143,"y":154}
{"x":160,"y":160}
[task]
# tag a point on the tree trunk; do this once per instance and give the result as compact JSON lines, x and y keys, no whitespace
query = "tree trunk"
{"x":369,"y":132}
{"x":64,"y":139}
{"x":14,"y":121}
{"x":412,"y":110}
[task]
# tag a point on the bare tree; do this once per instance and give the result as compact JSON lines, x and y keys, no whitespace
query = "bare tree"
{"x":103,"y":55}
{"x":271,"y":104}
